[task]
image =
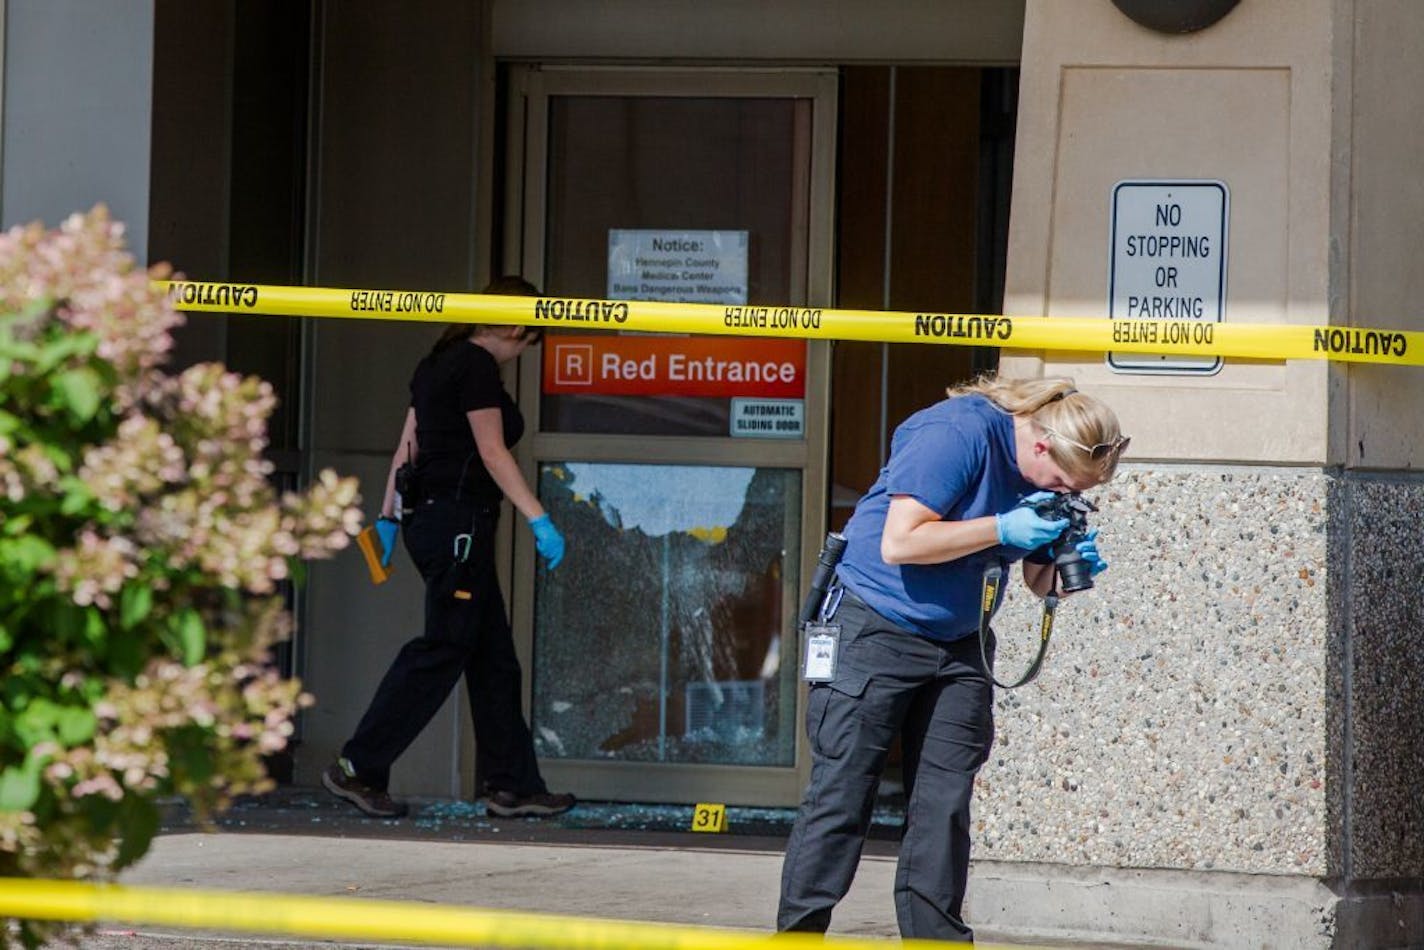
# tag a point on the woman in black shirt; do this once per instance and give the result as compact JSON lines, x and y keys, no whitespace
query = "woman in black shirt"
{"x":456,"y":443}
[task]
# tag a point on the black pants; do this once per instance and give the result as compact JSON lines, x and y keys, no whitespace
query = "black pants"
{"x":466,"y":633}
{"x":937,"y":697}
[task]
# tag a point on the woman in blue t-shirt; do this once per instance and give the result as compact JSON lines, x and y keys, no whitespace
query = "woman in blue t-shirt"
{"x":456,"y":443}
{"x":908,"y":601}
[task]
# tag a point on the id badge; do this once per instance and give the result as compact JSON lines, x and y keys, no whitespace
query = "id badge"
{"x":822,"y":642}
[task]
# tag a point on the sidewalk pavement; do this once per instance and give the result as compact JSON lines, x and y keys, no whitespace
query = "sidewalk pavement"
{"x":602,"y":860}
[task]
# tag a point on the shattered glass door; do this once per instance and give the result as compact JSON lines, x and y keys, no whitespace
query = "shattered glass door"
{"x":686,"y":471}
{"x":660,"y":637}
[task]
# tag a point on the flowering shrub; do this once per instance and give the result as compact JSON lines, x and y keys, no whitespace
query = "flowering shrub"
{"x":141,"y":546}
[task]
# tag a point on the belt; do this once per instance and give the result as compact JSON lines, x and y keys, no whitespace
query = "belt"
{"x":854,"y":598}
{"x":485,"y":508}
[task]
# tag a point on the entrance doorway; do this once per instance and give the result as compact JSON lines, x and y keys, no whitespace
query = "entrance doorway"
{"x":685,"y":471}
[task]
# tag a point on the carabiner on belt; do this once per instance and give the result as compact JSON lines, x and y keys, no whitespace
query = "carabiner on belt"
{"x":832,"y":601}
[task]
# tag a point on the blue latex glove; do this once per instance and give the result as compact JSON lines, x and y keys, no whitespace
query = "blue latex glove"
{"x":548,"y":540}
{"x":1088,"y":547}
{"x":386,"y":530}
{"x":1021,"y":527}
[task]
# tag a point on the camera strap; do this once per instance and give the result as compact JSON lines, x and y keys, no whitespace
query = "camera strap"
{"x":993,"y":576}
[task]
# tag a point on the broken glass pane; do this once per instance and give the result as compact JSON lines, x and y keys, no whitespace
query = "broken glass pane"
{"x":662,"y":635}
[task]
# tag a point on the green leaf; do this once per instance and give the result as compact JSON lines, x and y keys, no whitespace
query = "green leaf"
{"x":24,"y":555}
{"x":20,"y":785}
{"x":80,"y":392}
{"x":35,"y":723}
{"x":135,"y":604}
{"x":96,"y":632}
{"x":61,"y":348}
{"x":18,"y":525}
{"x":46,"y":721}
{"x":192,"y":637}
{"x":62,"y":457}
{"x":21,"y":351}
{"x":75,"y":725}
{"x":77,"y":496}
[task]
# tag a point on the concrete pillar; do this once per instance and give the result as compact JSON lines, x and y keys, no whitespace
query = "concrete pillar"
{"x":77,"y":89}
{"x":1226,"y":744}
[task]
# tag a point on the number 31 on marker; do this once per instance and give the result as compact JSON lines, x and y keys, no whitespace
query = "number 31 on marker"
{"x":709,"y":817}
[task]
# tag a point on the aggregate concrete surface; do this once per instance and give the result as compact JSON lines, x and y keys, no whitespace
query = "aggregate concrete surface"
{"x":609,"y":861}
{"x":601,"y":860}
{"x":614,"y":879}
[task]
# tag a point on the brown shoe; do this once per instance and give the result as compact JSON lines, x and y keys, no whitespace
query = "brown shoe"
{"x":535,"y":805}
{"x":340,"y":780}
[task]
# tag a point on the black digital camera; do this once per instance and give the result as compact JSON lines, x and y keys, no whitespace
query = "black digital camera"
{"x":1074,"y":571}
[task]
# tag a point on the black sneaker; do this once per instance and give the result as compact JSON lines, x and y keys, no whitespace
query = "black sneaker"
{"x":340,"y":780}
{"x":535,"y":805}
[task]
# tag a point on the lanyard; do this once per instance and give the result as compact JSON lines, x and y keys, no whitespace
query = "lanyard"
{"x":992,"y":576}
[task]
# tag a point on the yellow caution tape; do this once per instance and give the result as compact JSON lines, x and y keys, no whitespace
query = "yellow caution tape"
{"x":1086,"y":334}
{"x":359,"y":919}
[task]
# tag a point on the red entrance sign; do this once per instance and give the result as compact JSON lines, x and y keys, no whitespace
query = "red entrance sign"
{"x":583,"y":365}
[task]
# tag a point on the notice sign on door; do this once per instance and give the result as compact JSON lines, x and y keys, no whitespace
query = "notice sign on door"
{"x":678,"y":266}
{"x":1168,"y":262}
{"x":720,"y":367}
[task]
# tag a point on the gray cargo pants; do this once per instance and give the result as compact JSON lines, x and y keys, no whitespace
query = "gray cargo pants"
{"x":936,"y":696}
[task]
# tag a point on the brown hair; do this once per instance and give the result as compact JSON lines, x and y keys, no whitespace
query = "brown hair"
{"x":509,"y":285}
{"x":1056,"y":405}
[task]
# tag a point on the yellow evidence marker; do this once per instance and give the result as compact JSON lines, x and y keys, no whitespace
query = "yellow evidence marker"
{"x":707,"y":816}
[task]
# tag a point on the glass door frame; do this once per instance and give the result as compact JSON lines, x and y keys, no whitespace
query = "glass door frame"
{"x":813,"y":254}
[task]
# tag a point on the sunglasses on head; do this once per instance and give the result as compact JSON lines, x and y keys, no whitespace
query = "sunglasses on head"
{"x":1098,"y":453}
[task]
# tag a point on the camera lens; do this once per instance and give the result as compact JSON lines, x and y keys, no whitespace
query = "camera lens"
{"x":1074,"y":572}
